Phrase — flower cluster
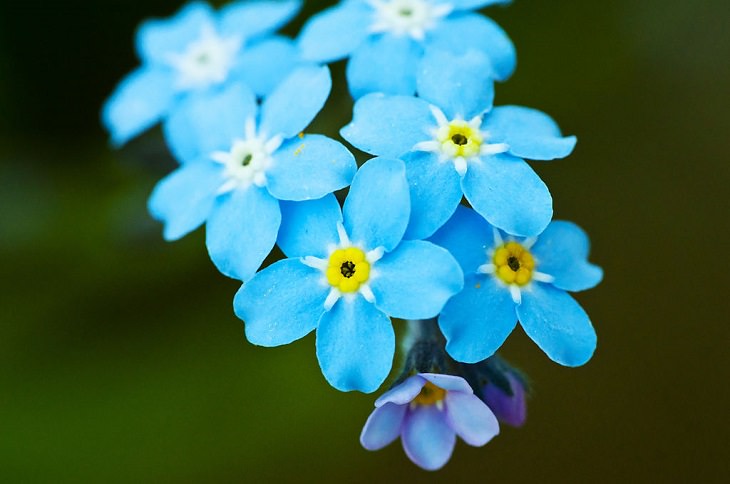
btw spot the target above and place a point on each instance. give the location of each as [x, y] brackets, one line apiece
[234, 99]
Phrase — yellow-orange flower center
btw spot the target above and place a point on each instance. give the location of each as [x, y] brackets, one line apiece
[430, 395]
[348, 269]
[460, 139]
[514, 264]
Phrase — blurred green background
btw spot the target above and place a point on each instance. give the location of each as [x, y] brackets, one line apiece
[121, 359]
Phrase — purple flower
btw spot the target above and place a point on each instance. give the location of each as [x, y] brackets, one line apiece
[509, 409]
[428, 411]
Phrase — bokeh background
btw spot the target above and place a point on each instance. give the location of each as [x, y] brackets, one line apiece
[121, 359]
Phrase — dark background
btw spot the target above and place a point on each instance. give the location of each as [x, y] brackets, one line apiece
[121, 359]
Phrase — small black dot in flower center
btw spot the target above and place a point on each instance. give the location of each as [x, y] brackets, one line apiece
[513, 263]
[459, 139]
[247, 159]
[347, 269]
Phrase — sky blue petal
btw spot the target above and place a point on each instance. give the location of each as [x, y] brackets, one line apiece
[388, 125]
[265, 64]
[509, 194]
[384, 63]
[476, 4]
[282, 303]
[402, 393]
[435, 191]
[557, 323]
[335, 33]
[309, 228]
[383, 426]
[427, 438]
[241, 231]
[377, 208]
[415, 280]
[208, 122]
[184, 199]
[355, 345]
[310, 167]
[470, 418]
[449, 383]
[296, 101]
[562, 252]
[461, 85]
[138, 103]
[253, 18]
[529, 133]
[158, 38]
[468, 237]
[462, 32]
[478, 320]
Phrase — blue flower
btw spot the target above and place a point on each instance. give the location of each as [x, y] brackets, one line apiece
[385, 39]
[196, 50]
[510, 278]
[428, 411]
[346, 278]
[454, 143]
[235, 170]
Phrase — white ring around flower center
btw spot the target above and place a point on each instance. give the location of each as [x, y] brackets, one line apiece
[407, 17]
[206, 60]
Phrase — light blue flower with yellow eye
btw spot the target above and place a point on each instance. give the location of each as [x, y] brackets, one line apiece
[385, 39]
[347, 274]
[454, 143]
[509, 279]
[196, 50]
[239, 161]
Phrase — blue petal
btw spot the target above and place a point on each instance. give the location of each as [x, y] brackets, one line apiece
[529, 133]
[460, 85]
[282, 303]
[449, 383]
[310, 167]
[242, 230]
[184, 199]
[435, 191]
[256, 18]
[335, 33]
[209, 122]
[355, 345]
[463, 32]
[158, 38]
[478, 320]
[296, 101]
[476, 4]
[383, 426]
[377, 208]
[468, 237]
[509, 194]
[470, 418]
[388, 125]
[138, 102]
[309, 228]
[264, 65]
[557, 323]
[403, 392]
[415, 280]
[562, 252]
[386, 64]
[427, 438]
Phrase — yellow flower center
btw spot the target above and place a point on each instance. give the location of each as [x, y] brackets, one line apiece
[459, 138]
[348, 269]
[514, 264]
[430, 395]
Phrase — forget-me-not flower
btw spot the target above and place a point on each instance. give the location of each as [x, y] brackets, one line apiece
[427, 411]
[196, 50]
[347, 273]
[510, 409]
[454, 143]
[385, 39]
[238, 161]
[509, 278]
